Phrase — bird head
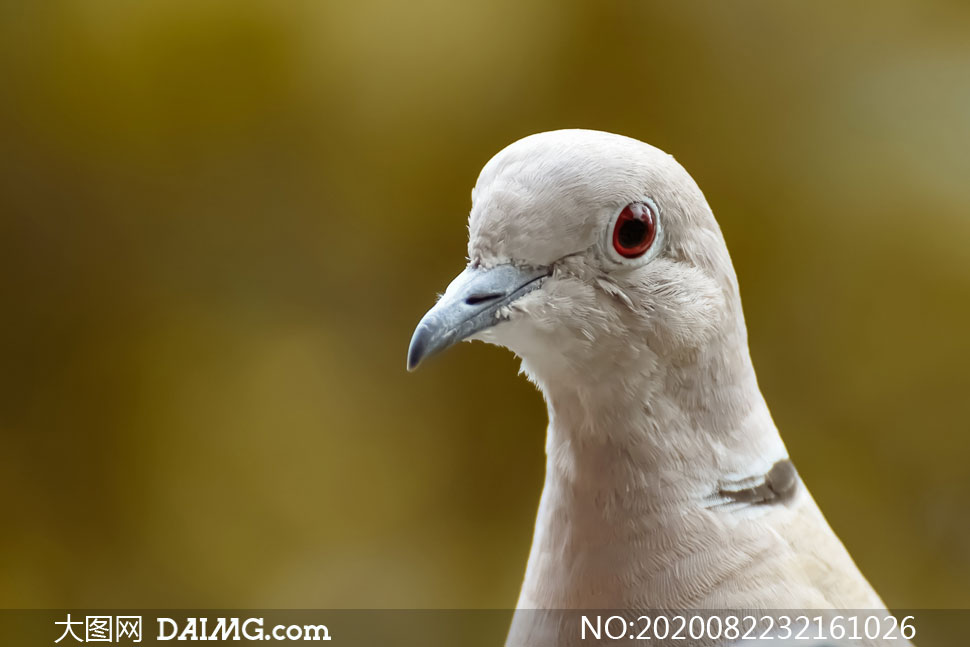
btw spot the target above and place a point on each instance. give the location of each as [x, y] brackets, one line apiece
[588, 252]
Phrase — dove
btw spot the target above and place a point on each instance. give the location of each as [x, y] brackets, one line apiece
[596, 259]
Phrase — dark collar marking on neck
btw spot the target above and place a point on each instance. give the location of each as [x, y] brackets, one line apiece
[779, 485]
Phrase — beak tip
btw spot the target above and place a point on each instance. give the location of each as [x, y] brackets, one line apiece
[416, 350]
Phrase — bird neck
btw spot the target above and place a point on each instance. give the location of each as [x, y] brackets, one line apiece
[692, 419]
[628, 461]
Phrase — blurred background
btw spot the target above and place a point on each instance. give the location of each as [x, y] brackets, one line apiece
[220, 221]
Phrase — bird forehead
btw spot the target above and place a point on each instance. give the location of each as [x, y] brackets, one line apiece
[532, 224]
[545, 195]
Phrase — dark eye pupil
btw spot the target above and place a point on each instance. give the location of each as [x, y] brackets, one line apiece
[634, 230]
[632, 233]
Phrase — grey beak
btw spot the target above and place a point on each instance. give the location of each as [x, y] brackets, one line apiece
[470, 304]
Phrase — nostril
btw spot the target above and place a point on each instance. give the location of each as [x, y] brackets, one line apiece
[478, 299]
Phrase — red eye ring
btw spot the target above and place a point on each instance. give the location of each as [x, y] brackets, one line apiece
[635, 230]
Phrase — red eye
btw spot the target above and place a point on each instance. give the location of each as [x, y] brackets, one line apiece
[635, 230]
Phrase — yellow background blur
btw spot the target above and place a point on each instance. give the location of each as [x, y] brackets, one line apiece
[220, 221]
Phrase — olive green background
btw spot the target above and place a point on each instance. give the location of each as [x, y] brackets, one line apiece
[220, 221]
